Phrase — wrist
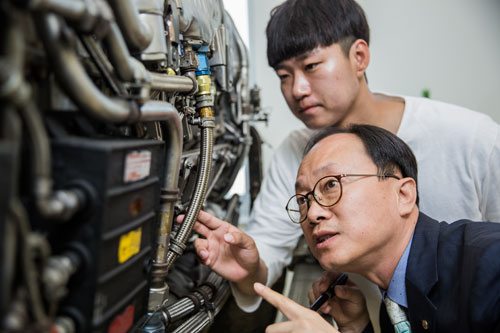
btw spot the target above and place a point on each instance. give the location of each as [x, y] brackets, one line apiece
[258, 275]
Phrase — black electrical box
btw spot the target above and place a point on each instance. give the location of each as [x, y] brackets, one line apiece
[113, 235]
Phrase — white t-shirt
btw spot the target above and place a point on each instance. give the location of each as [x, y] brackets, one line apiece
[458, 155]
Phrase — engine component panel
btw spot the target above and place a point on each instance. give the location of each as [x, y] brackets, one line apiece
[115, 117]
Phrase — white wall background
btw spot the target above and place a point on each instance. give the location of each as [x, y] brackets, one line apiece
[238, 9]
[451, 47]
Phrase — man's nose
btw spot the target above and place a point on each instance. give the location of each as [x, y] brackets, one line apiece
[317, 213]
[301, 86]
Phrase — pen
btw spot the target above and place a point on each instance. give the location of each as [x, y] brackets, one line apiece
[342, 279]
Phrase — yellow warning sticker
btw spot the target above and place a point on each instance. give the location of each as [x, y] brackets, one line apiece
[130, 244]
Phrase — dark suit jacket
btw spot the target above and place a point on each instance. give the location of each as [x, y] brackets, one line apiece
[453, 277]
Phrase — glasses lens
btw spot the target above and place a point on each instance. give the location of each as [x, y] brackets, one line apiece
[327, 191]
[297, 208]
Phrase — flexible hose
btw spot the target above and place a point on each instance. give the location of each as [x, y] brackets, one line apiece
[205, 167]
[202, 319]
[185, 306]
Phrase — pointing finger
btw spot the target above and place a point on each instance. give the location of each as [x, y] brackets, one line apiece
[289, 308]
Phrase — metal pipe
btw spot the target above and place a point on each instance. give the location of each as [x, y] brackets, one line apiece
[155, 110]
[137, 34]
[103, 65]
[168, 195]
[11, 136]
[61, 204]
[171, 83]
[164, 111]
[127, 67]
[73, 10]
[88, 15]
[192, 75]
[131, 70]
[58, 204]
[29, 271]
[175, 247]
[13, 88]
[216, 177]
[231, 207]
[74, 79]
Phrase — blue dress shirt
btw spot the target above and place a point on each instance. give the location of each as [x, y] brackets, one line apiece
[397, 288]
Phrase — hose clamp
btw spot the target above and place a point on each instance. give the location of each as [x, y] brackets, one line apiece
[177, 247]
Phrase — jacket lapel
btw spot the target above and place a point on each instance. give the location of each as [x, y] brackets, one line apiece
[422, 274]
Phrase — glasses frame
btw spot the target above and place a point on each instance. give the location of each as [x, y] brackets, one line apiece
[338, 177]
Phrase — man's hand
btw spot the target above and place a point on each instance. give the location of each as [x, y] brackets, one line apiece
[229, 252]
[347, 307]
[301, 319]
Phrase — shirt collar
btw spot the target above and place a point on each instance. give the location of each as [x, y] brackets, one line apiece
[397, 288]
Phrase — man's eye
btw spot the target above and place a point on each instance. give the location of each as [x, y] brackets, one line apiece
[309, 67]
[282, 75]
[331, 184]
[301, 201]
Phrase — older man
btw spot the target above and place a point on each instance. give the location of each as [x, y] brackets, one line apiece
[320, 51]
[357, 204]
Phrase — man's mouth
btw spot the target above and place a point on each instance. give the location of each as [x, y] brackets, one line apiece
[307, 108]
[322, 240]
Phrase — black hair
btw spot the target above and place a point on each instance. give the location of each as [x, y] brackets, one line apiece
[299, 26]
[387, 151]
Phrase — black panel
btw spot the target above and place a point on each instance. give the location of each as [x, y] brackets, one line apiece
[113, 234]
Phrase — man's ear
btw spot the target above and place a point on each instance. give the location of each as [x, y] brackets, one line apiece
[359, 55]
[407, 196]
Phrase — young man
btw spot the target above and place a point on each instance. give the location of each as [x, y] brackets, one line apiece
[320, 52]
[356, 202]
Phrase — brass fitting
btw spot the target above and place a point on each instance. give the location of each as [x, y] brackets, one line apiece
[170, 71]
[206, 112]
[204, 84]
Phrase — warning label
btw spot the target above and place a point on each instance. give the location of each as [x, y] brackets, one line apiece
[137, 165]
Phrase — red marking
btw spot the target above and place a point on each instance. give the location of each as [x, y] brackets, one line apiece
[123, 322]
[134, 175]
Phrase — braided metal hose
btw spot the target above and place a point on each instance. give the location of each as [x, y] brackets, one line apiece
[205, 167]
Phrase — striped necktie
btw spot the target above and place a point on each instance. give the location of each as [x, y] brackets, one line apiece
[397, 316]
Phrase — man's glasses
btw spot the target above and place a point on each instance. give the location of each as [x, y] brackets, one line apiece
[327, 192]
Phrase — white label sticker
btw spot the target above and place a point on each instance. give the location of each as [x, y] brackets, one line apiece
[137, 165]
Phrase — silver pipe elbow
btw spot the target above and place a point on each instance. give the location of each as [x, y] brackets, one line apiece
[137, 34]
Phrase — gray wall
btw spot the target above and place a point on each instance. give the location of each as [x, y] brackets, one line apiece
[451, 47]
